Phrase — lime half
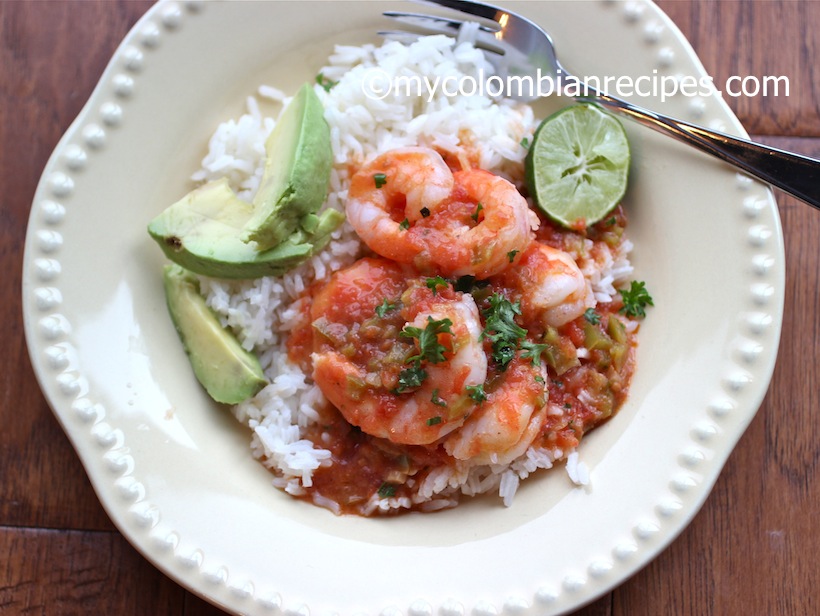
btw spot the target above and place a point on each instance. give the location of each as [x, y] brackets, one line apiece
[578, 164]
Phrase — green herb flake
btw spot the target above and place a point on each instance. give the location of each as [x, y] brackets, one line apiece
[539, 379]
[525, 143]
[611, 222]
[385, 307]
[502, 330]
[434, 283]
[511, 255]
[533, 351]
[478, 209]
[592, 317]
[379, 179]
[430, 349]
[635, 299]
[410, 379]
[567, 405]
[435, 399]
[404, 225]
[325, 82]
[476, 392]
[387, 490]
[434, 421]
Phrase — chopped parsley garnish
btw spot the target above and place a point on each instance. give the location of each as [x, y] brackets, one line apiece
[404, 225]
[386, 490]
[611, 222]
[435, 399]
[425, 212]
[379, 179]
[325, 82]
[567, 405]
[476, 392]
[411, 378]
[434, 283]
[511, 255]
[539, 379]
[502, 330]
[592, 317]
[478, 209]
[533, 351]
[434, 421]
[384, 308]
[525, 143]
[635, 300]
[430, 349]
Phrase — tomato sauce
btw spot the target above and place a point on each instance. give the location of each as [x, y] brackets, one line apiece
[364, 465]
[581, 393]
[589, 365]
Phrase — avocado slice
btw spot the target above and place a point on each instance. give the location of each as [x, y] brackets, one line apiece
[297, 171]
[229, 373]
[201, 233]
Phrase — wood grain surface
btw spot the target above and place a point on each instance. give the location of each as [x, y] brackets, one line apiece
[752, 549]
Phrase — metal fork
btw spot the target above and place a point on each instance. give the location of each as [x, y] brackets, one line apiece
[516, 46]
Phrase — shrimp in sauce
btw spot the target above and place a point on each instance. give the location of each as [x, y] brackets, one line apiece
[483, 228]
[506, 423]
[410, 363]
[550, 286]
[395, 357]
[390, 194]
[408, 206]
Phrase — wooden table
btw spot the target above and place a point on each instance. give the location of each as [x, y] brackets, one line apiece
[753, 548]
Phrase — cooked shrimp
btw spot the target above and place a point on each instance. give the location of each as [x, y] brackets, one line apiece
[506, 423]
[551, 287]
[408, 206]
[483, 228]
[397, 358]
[388, 195]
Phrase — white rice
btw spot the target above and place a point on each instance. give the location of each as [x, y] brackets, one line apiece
[577, 470]
[262, 312]
[362, 126]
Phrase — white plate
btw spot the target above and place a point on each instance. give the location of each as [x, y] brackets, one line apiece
[175, 472]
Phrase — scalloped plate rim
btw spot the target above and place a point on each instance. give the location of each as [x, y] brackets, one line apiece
[233, 599]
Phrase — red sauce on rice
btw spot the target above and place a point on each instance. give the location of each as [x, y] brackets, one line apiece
[582, 393]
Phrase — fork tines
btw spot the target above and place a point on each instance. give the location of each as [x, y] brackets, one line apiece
[468, 7]
[420, 24]
[433, 23]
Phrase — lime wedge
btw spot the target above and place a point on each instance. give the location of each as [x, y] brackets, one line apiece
[578, 164]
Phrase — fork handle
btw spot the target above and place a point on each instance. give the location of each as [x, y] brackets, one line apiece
[795, 174]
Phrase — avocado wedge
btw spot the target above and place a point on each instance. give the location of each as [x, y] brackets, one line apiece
[201, 232]
[229, 373]
[297, 172]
